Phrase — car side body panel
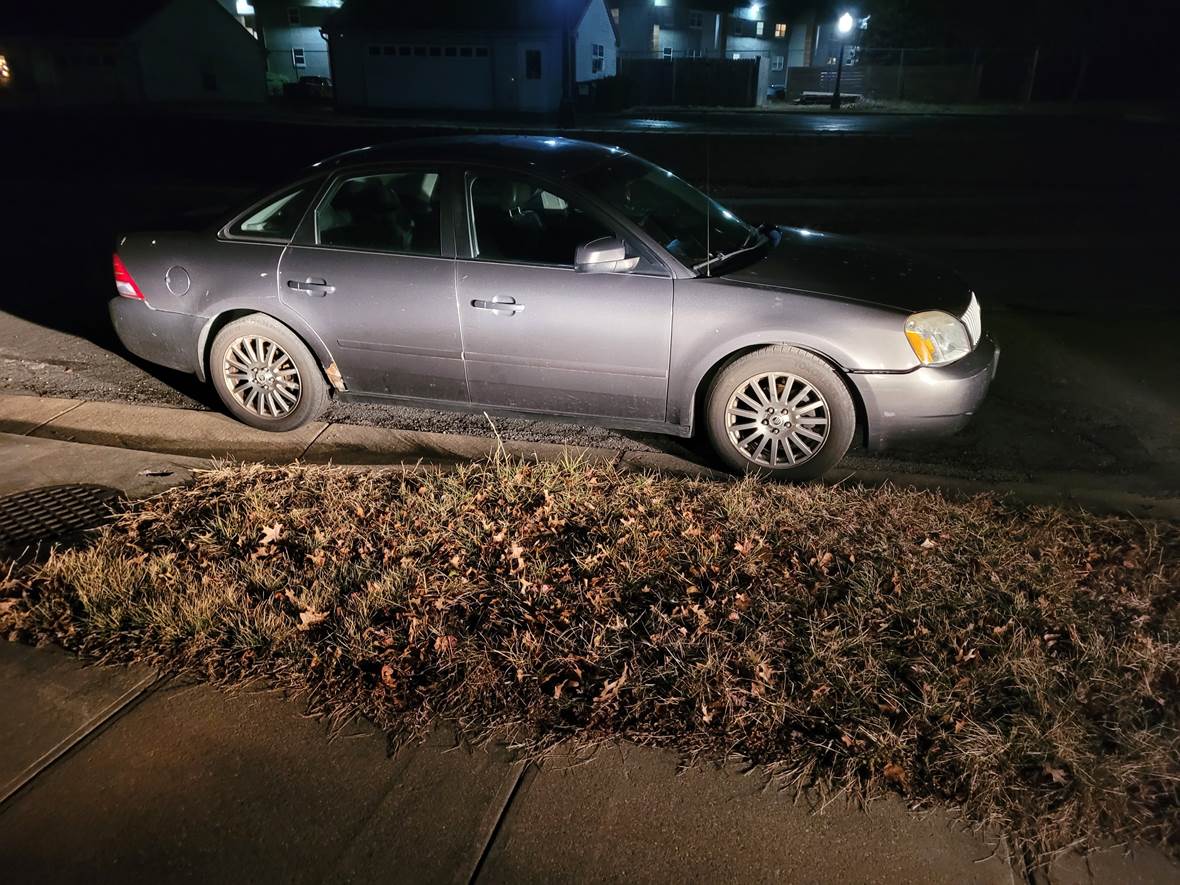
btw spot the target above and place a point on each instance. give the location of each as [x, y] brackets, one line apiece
[223, 276]
[716, 318]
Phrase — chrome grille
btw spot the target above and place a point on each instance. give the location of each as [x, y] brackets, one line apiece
[973, 321]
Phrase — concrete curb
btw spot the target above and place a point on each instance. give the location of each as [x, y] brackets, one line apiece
[193, 434]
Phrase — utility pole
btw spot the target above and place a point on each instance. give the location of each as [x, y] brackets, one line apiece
[1032, 75]
[843, 28]
[569, 63]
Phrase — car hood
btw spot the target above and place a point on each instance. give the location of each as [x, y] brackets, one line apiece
[847, 268]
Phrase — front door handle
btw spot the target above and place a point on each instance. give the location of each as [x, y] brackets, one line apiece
[312, 286]
[501, 305]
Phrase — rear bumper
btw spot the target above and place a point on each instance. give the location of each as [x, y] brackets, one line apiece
[157, 336]
[927, 402]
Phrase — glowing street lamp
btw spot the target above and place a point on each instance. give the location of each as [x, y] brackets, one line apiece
[844, 28]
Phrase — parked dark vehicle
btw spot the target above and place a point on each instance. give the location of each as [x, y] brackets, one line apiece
[309, 87]
[544, 276]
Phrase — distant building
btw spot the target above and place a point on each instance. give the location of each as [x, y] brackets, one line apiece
[780, 35]
[504, 55]
[132, 51]
[291, 33]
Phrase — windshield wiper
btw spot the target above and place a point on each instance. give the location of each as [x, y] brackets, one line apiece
[725, 256]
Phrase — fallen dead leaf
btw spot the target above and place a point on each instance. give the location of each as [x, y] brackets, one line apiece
[311, 617]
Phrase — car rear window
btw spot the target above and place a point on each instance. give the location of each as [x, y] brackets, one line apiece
[384, 212]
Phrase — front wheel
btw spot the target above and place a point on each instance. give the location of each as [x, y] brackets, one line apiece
[780, 412]
[265, 374]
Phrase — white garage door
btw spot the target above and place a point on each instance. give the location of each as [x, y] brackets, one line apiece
[419, 75]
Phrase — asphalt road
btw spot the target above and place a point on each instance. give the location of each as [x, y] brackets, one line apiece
[809, 122]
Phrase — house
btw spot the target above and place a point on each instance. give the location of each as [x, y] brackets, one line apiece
[503, 55]
[291, 33]
[777, 34]
[133, 51]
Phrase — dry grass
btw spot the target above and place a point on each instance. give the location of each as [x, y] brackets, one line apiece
[1021, 664]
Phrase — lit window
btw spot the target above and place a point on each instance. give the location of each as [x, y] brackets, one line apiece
[759, 27]
[5, 71]
[597, 58]
[695, 18]
[293, 17]
[780, 30]
[298, 58]
[777, 63]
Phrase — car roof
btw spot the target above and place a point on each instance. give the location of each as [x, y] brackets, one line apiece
[552, 155]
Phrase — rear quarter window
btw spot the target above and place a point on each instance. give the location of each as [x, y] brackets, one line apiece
[276, 218]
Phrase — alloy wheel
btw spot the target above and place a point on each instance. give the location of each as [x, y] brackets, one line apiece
[777, 420]
[261, 376]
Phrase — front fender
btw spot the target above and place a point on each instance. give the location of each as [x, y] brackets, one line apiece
[715, 319]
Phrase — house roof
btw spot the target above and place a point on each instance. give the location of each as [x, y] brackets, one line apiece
[80, 20]
[460, 15]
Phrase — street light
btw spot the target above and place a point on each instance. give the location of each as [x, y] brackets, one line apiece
[843, 27]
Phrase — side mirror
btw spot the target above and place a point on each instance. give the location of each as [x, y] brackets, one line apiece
[604, 255]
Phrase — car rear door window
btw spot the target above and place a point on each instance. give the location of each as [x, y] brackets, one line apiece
[383, 212]
[278, 218]
[515, 220]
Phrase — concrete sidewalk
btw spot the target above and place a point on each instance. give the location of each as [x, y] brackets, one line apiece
[116, 774]
[192, 437]
[183, 783]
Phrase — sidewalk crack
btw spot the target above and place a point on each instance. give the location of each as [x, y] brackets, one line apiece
[524, 770]
[314, 440]
[80, 736]
[48, 421]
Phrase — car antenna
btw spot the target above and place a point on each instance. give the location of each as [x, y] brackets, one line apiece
[708, 204]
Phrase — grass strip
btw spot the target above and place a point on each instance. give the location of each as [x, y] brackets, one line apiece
[1020, 664]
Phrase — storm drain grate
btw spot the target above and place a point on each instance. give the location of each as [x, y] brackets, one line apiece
[53, 512]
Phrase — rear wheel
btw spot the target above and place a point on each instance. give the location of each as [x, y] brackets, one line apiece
[265, 374]
[780, 412]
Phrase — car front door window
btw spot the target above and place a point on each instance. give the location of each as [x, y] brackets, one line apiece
[516, 221]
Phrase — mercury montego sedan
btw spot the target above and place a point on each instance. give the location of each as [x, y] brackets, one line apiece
[549, 277]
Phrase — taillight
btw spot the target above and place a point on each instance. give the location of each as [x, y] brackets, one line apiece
[123, 281]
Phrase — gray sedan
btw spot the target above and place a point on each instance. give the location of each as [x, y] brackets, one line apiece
[544, 276]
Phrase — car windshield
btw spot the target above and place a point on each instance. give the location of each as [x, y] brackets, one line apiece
[697, 230]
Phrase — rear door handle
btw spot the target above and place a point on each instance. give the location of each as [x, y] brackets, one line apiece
[312, 286]
[500, 304]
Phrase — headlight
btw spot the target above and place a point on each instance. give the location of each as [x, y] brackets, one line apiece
[937, 338]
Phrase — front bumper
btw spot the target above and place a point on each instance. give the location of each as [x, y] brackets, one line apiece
[157, 336]
[926, 402]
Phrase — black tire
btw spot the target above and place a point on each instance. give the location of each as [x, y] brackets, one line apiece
[311, 396]
[738, 436]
